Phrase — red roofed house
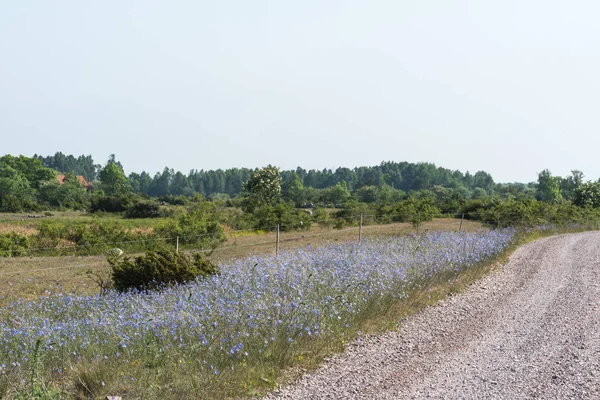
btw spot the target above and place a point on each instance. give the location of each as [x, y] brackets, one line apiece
[84, 183]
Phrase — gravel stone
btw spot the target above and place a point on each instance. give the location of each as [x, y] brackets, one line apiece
[530, 330]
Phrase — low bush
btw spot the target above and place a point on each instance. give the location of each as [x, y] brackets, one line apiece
[13, 245]
[198, 227]
[157, 268]
[85, 237]
[111, 203]
[286, 216]
[143, 209]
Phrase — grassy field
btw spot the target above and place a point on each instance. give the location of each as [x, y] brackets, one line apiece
[23, 224]
[29, 278]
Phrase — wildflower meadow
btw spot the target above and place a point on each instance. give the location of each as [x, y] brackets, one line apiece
[231, 334]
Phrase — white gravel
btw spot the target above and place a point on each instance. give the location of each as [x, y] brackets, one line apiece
[529, 330]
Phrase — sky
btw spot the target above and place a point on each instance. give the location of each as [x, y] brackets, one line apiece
[508, 87]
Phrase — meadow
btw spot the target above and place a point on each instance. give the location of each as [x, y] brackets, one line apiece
[237, 334]
[28, 278]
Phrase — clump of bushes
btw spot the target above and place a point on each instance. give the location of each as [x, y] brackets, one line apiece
[83, 237]
[13, 245]
[285, 215]
[198, 227]
[143, 209]
[157, 268]
[114, 204]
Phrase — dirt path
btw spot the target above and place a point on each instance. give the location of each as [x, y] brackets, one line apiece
[530, 330]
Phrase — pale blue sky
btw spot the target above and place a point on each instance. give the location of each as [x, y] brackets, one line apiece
[509, 87]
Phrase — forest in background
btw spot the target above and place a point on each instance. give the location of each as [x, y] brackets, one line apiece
[404, 176]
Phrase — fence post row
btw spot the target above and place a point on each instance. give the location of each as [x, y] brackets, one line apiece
[500, 219]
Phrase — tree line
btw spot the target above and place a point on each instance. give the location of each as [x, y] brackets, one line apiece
[30, 184]
[404, 176]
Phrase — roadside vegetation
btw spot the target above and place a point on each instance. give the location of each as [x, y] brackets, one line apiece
[231, 334]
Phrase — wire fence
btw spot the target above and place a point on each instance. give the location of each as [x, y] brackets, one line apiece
[273, 237]
[327, 227]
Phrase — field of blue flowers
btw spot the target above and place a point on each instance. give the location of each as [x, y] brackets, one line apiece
[230, 333]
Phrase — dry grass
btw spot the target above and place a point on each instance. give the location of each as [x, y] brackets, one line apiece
[239, 246]
[29, 278]
[25, 230]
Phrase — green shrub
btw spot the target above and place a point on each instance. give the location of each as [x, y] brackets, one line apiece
[91, 237]
[13, 245]
[115, 204]
[198, 227]
[143, 209]
[350, 214]
[157, 268]
[286, 216]
[322, 217]
[97, 235]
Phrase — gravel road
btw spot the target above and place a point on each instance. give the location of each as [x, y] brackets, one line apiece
[529, 330]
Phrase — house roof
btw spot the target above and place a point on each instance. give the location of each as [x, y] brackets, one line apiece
[84, 183]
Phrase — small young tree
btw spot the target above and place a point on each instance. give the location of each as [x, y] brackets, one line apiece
[548, 189]
[587, 195]
[294, 190]
[113, 179]
[264, 185]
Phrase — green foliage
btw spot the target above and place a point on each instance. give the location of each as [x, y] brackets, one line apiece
[175, 200]
[264, 185]
[69, 195]
[415, 210]
[13, 245]
[529, 212]
[285, 215]
[337, 194]
[100, 234]
[16, 193]
[88, 237]
[587, 195]
[143, 209]
[81, 165]
[548, 187]
[115, 203]
[449, 201]
[322, 217]
[139, 183]
[294, 190]
[198, 227]
[569, 184]
[31, 169]
[157, 268]
[113, 180]
[38, 387]
[350, 214]
[367, 194]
